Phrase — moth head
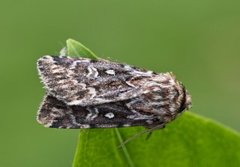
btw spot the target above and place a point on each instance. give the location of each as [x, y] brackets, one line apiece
[184, 98]
[186, 102]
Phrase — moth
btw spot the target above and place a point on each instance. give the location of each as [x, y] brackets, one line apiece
[85, 93]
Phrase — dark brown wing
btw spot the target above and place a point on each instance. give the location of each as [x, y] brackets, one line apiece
[56, 114]
[81, 81]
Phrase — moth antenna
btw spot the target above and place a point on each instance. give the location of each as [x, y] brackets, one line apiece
[141, 133]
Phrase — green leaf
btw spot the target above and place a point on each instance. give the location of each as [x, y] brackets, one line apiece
[189, 141]
[75, 48]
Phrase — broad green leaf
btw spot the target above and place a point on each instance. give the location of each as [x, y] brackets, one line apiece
[189, 141]
[75, 48]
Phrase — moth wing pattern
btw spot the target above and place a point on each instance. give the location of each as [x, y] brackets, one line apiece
[84, 93]
[81, 81]
[54, 113]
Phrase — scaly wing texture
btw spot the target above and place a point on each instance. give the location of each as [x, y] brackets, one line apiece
[84, 93]
[81, 81]
[56, 114]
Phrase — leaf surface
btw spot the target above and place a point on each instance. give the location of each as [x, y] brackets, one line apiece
[189, 141]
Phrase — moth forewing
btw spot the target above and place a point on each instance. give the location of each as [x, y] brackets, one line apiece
[81, 81]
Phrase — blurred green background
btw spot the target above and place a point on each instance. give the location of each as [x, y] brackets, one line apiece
[197, 40]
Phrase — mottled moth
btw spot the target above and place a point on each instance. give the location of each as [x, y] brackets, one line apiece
[85, 93]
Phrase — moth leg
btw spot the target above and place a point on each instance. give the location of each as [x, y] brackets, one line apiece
[151, 131]
[148, 130]
[148, 135]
